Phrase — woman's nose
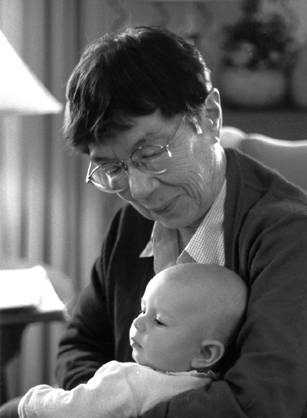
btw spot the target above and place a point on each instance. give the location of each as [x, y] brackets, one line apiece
[139, 323]
[141, 184]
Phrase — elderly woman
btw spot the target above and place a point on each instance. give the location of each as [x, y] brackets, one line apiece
[142, 106]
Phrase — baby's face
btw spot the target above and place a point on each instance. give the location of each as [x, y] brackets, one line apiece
[167, 334]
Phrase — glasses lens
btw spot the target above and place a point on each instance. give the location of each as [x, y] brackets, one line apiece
[153, 158]
[110, 178]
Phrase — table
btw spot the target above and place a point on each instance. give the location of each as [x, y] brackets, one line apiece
[13, 322]
[12, 325]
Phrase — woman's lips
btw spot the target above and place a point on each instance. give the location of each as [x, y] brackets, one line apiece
[162, 209]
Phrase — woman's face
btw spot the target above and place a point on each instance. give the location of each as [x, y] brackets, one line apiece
[181, 196]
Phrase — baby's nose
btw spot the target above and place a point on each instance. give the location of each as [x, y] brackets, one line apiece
[139, 323]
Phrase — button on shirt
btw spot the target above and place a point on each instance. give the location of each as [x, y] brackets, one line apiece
[205, 246]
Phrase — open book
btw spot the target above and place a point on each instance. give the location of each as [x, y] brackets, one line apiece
[28, 288]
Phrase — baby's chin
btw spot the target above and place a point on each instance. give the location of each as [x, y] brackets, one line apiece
[145, 363]
[139, 358]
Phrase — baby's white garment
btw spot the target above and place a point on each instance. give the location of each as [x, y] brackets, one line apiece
[117, 390]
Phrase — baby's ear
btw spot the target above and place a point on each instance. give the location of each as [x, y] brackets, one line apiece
[211, 351]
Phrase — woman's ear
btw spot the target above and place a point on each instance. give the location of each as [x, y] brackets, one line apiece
[214, 111]
[211, 351]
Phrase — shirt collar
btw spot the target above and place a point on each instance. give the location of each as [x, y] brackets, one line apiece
[207, 244]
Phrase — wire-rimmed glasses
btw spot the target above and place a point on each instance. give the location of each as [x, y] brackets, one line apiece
[112, 176]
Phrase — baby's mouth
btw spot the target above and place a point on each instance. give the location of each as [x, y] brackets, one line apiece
[135, 343]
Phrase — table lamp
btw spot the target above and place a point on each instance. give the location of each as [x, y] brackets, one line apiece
[20, 90]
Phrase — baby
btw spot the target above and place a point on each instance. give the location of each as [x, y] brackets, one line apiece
[189, 313]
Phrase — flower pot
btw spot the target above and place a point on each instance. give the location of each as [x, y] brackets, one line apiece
[298, 82]
[252, 88]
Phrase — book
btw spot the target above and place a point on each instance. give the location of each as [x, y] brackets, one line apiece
[28, 288]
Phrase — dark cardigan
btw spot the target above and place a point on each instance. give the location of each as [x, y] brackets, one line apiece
[265, 229]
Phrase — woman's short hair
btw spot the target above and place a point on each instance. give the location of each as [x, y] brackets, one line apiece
[128, 74]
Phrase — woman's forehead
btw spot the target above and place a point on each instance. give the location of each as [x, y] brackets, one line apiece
[143, 129]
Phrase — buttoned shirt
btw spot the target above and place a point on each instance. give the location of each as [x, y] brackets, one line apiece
[205, 246]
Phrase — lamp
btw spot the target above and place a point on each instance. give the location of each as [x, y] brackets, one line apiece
[20, 90]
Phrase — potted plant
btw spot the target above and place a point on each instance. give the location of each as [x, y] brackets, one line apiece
[258, 51]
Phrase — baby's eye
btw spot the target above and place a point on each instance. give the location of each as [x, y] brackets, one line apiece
[158, 321]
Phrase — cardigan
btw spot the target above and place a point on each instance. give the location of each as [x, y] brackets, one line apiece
[265, 232]
[117, 390]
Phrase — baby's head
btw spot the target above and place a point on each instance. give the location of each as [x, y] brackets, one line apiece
[189, 312]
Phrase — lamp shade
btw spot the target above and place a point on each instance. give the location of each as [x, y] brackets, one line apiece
[20, 90]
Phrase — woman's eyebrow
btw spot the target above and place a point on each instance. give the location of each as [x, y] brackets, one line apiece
[99, 160]
[96, 158]
[156, 132]
[149, 136]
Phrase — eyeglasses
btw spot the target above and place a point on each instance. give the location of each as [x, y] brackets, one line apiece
[112, 176]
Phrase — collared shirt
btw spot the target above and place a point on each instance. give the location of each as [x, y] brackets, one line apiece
[205, 246]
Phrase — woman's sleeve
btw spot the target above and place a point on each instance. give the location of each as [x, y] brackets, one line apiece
[84, 347]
